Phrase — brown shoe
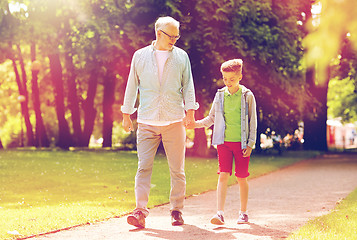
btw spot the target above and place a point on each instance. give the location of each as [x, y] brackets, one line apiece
[137, 219]
[176, 218]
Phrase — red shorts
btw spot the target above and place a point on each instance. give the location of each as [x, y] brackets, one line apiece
[226, 151]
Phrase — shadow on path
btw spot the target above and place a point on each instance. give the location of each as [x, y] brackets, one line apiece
[221, 232]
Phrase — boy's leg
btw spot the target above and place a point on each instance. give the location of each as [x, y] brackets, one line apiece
[241, 172]
[243, 192]
[225, 163]
[222, 190]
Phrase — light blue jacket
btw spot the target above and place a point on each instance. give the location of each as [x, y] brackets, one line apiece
[160, 102]
[248, 119]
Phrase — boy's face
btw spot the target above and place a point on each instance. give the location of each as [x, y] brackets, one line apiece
[231, 80]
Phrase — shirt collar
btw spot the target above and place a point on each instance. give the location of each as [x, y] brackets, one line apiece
[227, 93]
[154, 49]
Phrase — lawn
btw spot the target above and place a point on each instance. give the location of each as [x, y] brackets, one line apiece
[42, 191]
[341, 223]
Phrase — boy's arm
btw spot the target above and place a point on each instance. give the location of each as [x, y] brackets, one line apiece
[209, 120]
[252, 116]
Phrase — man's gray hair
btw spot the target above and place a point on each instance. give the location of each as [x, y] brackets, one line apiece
[161, 22]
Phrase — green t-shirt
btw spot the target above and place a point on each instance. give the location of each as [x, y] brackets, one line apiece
[232, 116]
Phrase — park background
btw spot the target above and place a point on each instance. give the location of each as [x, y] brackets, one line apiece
[64, 66]
[63, 71]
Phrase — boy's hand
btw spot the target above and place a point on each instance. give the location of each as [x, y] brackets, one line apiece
[247, 151]
[191, 126]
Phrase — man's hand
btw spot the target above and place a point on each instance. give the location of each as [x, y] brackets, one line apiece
[127, 123]
[247, 151]
[189, 119]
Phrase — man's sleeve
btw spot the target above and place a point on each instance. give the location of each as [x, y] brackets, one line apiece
[188, 89]
[131, 90]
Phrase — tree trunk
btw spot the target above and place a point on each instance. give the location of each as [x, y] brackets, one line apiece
[73, 101]
[41, 139]
[1, 146]
[261, 127]
[108, 101]
[89, 110]
[315, 122]
[23, 71]
[24, 106]
[64, 135]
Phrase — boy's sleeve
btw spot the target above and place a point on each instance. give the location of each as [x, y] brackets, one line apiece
[209, 120]
[252, 116]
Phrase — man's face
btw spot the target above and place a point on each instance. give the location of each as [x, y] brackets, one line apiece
[167, 37]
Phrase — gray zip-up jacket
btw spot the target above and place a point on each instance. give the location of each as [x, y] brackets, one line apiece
[248, 119]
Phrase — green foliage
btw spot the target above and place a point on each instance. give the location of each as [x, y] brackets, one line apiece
[332, 45]
[87, 35]
[337, 21]
[268, 41]
[342, 100]
[266, 38]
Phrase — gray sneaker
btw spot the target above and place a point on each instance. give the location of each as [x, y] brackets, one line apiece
[243, 218]
[217, 219]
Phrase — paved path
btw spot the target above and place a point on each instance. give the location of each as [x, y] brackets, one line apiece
[279, 203]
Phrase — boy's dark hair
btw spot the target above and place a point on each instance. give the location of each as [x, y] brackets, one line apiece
[234, 65]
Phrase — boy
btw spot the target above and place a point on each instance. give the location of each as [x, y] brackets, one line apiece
[233, 114]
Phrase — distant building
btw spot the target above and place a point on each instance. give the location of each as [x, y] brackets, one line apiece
[341, 136]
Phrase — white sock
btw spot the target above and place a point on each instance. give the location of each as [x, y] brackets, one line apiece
[241, 212]
[220, 213]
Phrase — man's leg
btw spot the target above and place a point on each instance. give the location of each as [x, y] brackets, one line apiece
[148, 140]
[173, 139]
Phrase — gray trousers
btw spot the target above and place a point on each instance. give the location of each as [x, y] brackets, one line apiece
[173, 138]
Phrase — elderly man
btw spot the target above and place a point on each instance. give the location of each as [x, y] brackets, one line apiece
[162, 74]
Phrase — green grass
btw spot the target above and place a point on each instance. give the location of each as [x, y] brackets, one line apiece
[341, 223]
[42, 191]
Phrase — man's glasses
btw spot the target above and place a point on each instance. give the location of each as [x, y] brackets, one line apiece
[171, 37]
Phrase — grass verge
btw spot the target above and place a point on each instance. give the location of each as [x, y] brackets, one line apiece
[341, 223]
[42, 191]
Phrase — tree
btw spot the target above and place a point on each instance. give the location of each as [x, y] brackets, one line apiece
[41, 139]
[342, 94]
[91, 57]
[335, 23]
[268, 41]
[10, 28]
